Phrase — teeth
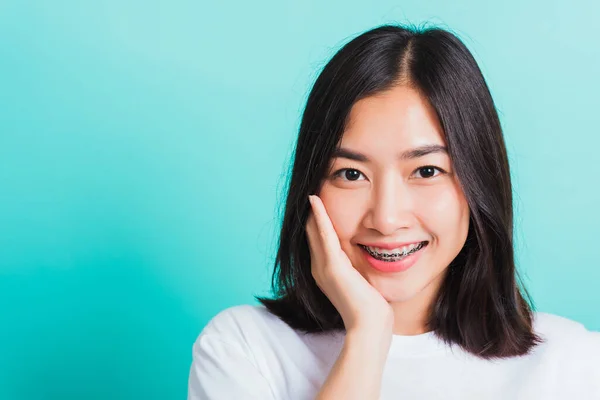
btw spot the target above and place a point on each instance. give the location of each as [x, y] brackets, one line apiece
[390, 256]
[399, 250]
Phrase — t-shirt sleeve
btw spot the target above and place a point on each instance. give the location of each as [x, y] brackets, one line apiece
[223, 370]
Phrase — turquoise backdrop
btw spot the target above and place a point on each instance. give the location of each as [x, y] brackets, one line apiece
[143, 148]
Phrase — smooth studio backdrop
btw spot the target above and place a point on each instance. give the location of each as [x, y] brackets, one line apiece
[144, 147]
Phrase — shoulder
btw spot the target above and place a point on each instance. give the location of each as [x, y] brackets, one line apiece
[555, 325]
[240, 319]
[558, 328]
[246, 351]
[566, 334]
[571, 347]
[264, 337]
[224, 357]
[246, 327]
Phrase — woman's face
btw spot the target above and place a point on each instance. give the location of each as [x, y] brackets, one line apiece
[387, 198]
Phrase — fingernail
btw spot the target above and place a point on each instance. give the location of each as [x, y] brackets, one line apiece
[310, 198]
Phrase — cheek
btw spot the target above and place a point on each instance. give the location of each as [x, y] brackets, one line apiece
[343, 211]
[446, 210]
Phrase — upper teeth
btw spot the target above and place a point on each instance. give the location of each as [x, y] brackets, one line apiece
[404, 249]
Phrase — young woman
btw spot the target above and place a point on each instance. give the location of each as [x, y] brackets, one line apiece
[395, 275]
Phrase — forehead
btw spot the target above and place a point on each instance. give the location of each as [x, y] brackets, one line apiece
[393, 120]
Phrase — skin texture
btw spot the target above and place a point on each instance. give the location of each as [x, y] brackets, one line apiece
[388, 199]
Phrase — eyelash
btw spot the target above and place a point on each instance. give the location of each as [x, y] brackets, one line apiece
[339, 172]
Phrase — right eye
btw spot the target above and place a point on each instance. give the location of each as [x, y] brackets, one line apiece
[349, 174]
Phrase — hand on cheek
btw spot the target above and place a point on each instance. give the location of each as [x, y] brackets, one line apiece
[360, 305]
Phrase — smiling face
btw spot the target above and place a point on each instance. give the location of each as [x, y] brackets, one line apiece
[380, 191]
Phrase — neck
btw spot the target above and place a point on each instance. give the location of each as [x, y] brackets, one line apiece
[408, 320]
[411, 316]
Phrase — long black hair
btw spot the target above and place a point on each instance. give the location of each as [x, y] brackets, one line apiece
[480, 305]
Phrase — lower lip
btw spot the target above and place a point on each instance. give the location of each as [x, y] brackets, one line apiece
[396, 266]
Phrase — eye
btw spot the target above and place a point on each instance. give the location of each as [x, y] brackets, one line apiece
[429, 171]
[349, 174]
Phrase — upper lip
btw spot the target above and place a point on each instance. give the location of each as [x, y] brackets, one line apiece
[393, 245]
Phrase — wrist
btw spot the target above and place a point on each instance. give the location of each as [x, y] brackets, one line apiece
[364, 331]
[369, 341]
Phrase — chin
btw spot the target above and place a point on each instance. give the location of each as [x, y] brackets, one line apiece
[405, 288]
[398, 297]
[395, 292]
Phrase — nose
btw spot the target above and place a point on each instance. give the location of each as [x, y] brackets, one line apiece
[391, 207]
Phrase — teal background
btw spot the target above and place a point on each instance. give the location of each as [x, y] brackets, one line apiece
[143, 148]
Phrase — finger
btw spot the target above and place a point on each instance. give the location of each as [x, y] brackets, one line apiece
[315, 244]
[311, 230]
[324, 227]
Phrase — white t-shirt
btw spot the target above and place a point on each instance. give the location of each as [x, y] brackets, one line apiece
[245, 352]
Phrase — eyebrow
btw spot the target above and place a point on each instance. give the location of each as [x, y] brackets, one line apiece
[410, 154]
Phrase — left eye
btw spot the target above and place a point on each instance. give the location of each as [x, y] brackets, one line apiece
[429, 171]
